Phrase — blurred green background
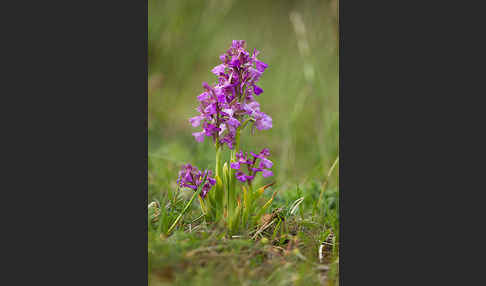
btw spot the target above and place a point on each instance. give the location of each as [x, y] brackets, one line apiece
[297, 39]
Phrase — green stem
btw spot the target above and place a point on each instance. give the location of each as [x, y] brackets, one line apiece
[218, 159]
[250, 197]
[237, 139]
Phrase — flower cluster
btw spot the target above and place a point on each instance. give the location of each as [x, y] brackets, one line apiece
[191, 177]
[230, 102]
[251, 163]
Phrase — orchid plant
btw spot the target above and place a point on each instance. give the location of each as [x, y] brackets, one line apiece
[225, 109]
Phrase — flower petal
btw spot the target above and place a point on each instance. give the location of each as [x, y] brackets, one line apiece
[241, 176]
[203, 96]
[258, 90]
[265, 163]
[219, 69]
[233, 122]
[195, 121]
[267, 173]
[199, 136]
[263, 121]
[261, 66]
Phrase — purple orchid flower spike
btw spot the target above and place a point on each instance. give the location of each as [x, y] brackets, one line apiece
[225, 105]
[191, 177]
[250, 161]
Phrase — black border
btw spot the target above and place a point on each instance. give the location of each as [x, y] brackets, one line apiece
[81, 195]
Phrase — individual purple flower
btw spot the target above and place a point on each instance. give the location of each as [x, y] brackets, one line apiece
[219, 69]
[199, 136]
[257, 90]
[264, 153]
[251, 162]
[237, 44]
[203, 96]
[191, 177]
[265, 163]
[267, 173]
[263, 121]
[210, 129]
[243, 177]
[196, 120]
